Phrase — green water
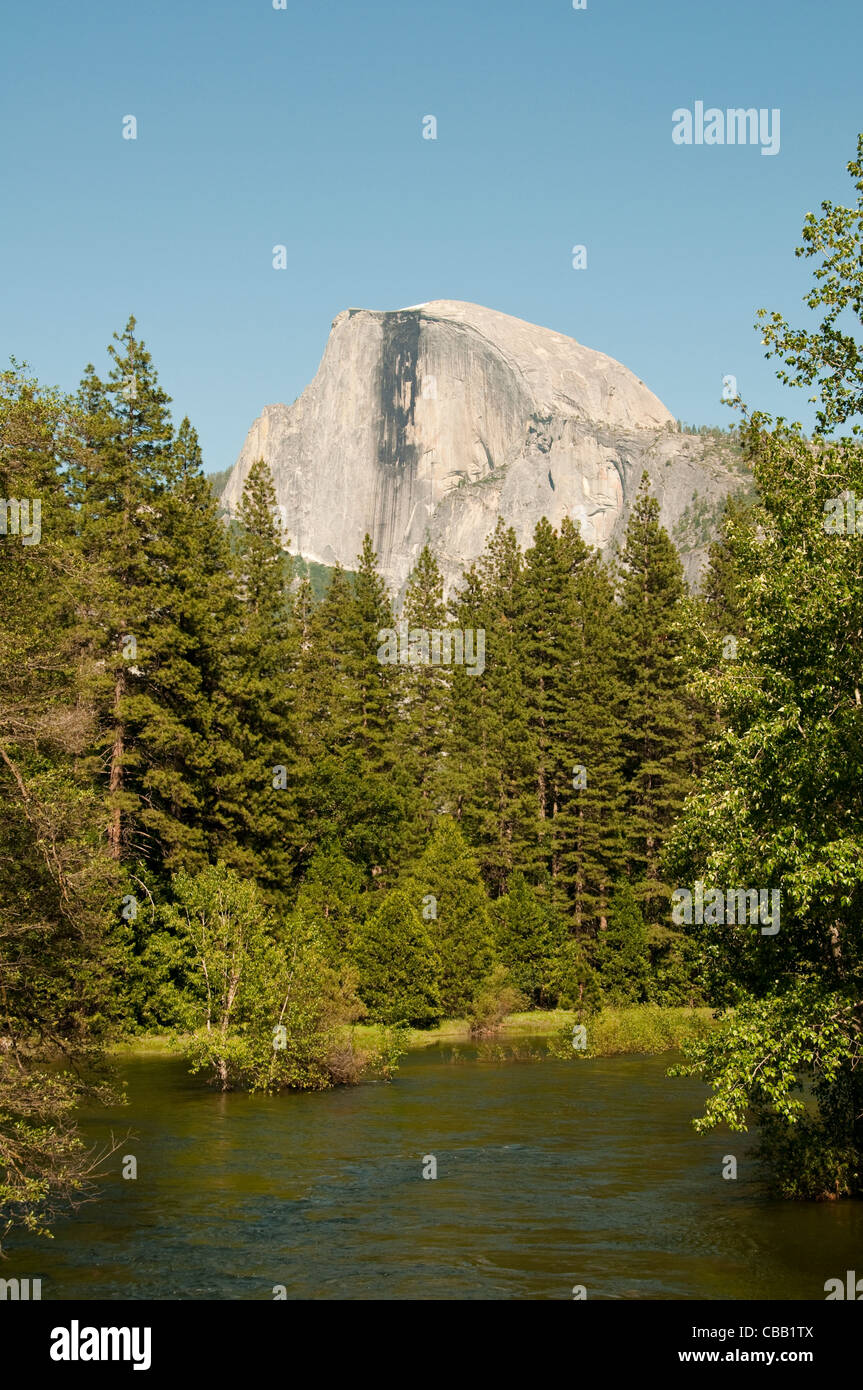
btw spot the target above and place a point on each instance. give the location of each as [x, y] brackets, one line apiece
[549, 1175]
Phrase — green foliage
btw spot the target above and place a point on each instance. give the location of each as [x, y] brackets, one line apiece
[495, 998]
[397, 964]
[61, 949]
[461, 929]
[621, 951]
[489, 785]
[636, 1028]
[331, 895]
[779, 805]
[660, 735]
[257, 979]
[263, 786]
[219, 807]
[829, 358]
[530, 941]
[591, 824]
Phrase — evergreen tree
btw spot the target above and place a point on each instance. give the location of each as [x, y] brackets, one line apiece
[720, 587]
[490, 775]
[425, 692]
[622, 952]
[447, 886]
[262, 664]
[546, 648]
[117, 480]
[357, 790]
[331, 896]
[591, 826]
[660, 732]
[531, 941]
[183, 718]
[397, 964]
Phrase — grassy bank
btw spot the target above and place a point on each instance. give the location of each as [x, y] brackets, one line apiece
[641, 1028]
[644, 1028]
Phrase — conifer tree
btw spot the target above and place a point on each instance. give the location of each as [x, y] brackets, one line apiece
[357, 792]
[373, 685]
[660, 731]
[326, 807]
[446, 885]
[117, 481]
[397, 965]
[331, 896]
[530, 940]
[184, 719]
[263, 662]
[546, 648]
[59, 888]
[720, 587]
[622, 952]
[425, 691]
[591, 823]
[490, 774]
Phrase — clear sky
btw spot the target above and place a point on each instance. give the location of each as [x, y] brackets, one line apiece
[303, 127]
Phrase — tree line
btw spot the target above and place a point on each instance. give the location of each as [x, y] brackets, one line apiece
[223, 814]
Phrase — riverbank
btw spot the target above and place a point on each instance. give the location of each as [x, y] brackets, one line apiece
[644, 1029]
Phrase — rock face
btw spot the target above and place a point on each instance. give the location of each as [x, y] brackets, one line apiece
[427, 423]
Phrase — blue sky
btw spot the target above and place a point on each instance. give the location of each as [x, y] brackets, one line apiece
[303, 127]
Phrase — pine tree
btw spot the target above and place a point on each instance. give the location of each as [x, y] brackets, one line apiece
[262, 667]
[490, 782]
[373, 686]
[591, 824]
[331, 896]
[184, 720]
[621, 952]
[720, 587]
[397, 965]
[425, 692]
[446, 885]
[117, 480]
[358, 791]
[660, 732]
[546, 648]
[531, 939]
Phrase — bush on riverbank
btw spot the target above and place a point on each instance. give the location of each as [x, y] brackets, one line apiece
[262, 1009]
[642, 1028]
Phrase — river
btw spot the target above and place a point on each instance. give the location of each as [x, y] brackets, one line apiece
[549, 1175]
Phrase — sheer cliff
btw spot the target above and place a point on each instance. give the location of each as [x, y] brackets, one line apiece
[426, 423]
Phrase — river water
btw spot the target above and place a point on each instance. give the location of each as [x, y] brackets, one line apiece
[549, 1175]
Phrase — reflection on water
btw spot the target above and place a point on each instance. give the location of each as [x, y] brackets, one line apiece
[578, 1172]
